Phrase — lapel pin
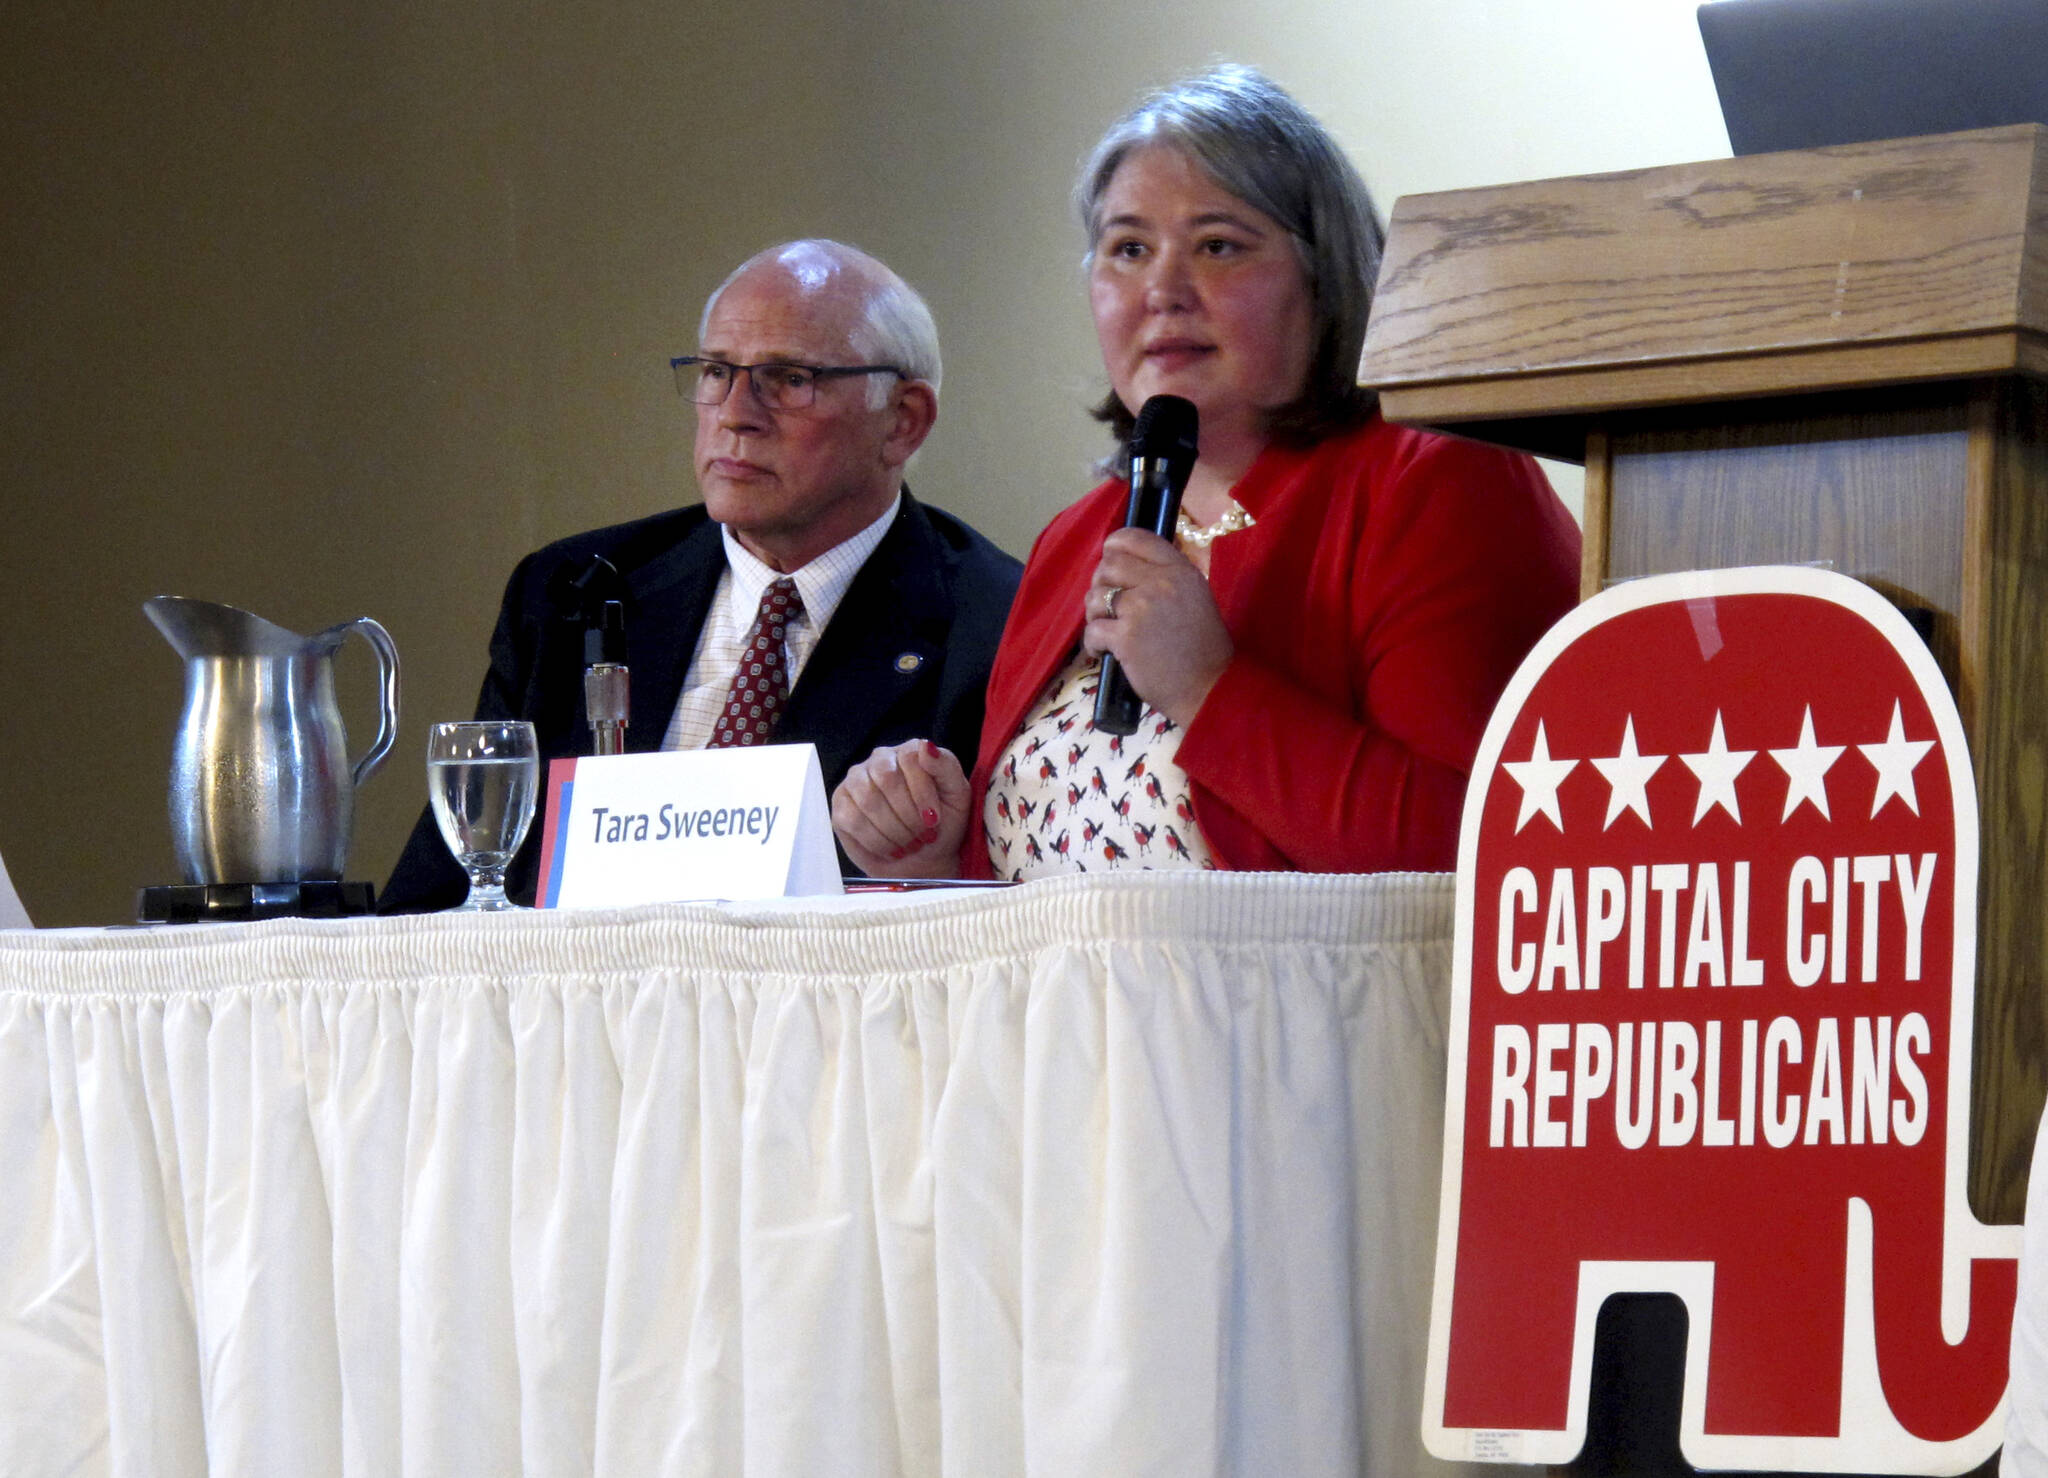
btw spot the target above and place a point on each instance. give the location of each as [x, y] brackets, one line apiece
[909, 662]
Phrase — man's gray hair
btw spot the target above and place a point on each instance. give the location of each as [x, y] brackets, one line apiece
[1256, 142]
[896, 325]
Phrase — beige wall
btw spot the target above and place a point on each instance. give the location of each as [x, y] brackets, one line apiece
[334, 310]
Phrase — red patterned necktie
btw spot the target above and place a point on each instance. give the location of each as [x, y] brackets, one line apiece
[754, 702]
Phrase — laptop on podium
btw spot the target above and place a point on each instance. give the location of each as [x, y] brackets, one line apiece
[1800, 74]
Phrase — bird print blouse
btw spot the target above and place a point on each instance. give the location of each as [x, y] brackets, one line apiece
[1066, 797]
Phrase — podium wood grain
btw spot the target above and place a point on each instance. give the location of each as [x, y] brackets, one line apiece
[2009, 739]
[1537, 306]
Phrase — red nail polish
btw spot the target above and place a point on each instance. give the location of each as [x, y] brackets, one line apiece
[931, 821]
[931, 749]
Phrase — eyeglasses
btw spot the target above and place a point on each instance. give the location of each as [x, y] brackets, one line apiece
[779, 387]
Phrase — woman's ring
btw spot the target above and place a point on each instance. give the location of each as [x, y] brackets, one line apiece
[1109, 601]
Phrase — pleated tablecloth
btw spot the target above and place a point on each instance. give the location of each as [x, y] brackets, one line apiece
[1129, 1176]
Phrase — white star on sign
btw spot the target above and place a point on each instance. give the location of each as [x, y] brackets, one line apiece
[1539, 776]
[1806, 769]
[1716, 771]
[1628, 776]
[1894, 761]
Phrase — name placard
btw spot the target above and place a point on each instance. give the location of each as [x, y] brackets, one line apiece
[688, 824]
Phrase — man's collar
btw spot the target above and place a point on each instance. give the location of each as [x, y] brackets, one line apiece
[821, 584]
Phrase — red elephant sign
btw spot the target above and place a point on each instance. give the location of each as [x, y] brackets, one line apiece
[1711, 1025]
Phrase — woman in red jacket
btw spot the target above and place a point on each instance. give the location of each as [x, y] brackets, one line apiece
[1319, 648]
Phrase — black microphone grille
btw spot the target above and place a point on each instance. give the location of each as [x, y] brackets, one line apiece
[1167, 426]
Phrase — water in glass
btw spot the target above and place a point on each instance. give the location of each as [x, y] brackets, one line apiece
[481, 778]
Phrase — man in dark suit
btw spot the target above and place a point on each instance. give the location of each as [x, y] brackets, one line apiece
[816, 379]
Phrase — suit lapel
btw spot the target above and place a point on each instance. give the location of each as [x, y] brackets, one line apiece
[671, 595]
[887, 635]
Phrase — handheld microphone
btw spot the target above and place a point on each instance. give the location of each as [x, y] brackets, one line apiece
[1163, 447]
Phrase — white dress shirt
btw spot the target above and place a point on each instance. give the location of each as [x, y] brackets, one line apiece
[821, 585]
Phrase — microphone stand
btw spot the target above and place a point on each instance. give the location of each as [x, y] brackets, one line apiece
[607, 683]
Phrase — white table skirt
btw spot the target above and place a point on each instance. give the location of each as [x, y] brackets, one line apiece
[1090, 1177]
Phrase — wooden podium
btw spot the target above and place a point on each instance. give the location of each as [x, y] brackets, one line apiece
[1834, 355]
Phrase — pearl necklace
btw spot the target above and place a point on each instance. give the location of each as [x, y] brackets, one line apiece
[1234, 518]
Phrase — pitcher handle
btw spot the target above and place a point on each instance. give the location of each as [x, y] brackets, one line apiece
[387, 694]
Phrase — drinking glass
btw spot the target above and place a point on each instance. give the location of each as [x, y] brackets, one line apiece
[481, 778]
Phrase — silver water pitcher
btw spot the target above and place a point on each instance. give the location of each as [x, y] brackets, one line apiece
[261, 787]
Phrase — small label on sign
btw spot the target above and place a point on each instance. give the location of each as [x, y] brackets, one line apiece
[1496, 1447]
[745, 822]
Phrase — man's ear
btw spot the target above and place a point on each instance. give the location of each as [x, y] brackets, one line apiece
[915, 410]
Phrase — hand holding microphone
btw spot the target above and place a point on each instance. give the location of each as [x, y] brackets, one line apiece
[1149, 609]
[1163, 447]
